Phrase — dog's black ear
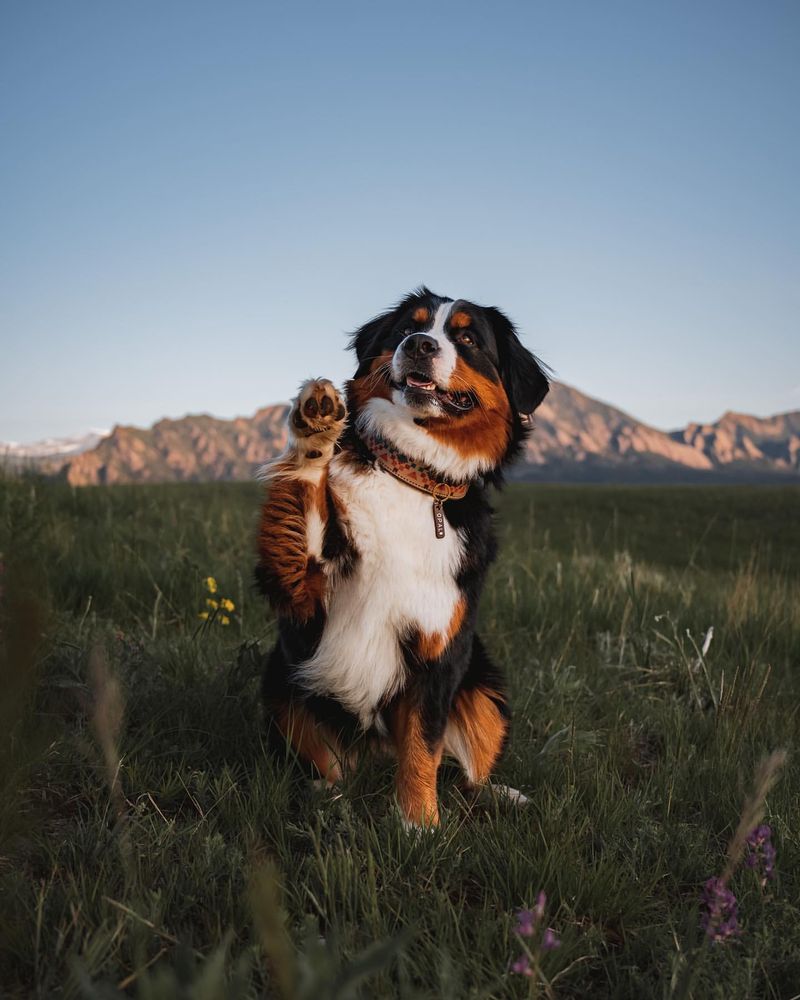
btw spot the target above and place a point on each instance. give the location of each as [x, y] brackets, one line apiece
[525, 377]
[366, 339]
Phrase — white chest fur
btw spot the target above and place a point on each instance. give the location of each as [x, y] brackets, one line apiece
[403, 581]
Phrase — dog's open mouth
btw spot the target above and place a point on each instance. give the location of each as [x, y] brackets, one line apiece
[422, 385]
[415, 381]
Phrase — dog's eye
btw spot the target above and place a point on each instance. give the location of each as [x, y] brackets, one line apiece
[465, 339]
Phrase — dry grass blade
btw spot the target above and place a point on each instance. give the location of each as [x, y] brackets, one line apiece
[107, 715]
[270, 922]
[753, 809]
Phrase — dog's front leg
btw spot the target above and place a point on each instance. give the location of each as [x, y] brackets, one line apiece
[295, 512]
[418, 745]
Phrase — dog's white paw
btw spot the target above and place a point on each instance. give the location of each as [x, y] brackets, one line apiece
[316, 421]
[317, 417]
[414, 830]
[325, 789]
[508, 794]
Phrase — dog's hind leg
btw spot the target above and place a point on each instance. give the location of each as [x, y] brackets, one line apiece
[476, 732]
[477, 727]
[314, 744]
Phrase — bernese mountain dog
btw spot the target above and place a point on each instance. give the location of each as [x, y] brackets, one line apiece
[374, 542]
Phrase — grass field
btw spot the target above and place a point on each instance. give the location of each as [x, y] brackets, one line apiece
[150, 848]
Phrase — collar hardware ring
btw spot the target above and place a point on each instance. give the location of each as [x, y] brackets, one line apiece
[442, 492]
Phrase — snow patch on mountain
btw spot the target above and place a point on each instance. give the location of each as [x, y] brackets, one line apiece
[53, 447]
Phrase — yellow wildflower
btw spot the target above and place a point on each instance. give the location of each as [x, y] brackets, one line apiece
[203, 615]
[227, 604]
[212, 603]
[224, 620]
[211, 584]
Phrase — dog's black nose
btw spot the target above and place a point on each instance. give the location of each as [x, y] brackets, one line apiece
[419, 345]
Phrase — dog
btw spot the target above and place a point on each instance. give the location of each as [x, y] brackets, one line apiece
[374, 542]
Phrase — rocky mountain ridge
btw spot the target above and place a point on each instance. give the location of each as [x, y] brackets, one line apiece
[191, 449]
[578, 437]
[575, 438]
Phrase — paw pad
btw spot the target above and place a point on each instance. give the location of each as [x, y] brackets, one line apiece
[318, 409]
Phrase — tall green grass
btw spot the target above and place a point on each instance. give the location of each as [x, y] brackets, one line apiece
[148, 844]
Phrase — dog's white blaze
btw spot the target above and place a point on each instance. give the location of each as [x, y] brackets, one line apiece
[403, 581]
[445, 361]
[393, 420]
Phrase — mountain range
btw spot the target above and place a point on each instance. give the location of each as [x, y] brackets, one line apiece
[578, 438]
[575, 438]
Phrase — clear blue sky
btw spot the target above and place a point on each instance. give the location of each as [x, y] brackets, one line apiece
[198, 200]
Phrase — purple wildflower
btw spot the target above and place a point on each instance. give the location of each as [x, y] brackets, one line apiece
[522, 966]
[529, 920]
[526, 923]
[761, 853]
[721, 919]
[549, 940]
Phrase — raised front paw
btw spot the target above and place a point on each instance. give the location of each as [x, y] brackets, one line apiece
[318, 408]
[318, 416]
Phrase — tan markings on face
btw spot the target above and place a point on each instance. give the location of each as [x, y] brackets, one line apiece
[421, 315]
[431, 645]
[482, 730]
[484, 431]
[374, 385]
[417, 765]
[460, 320]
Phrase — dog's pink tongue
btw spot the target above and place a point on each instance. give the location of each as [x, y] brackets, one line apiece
[418, 383]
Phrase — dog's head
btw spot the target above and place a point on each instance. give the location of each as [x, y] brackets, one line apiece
[448, 382]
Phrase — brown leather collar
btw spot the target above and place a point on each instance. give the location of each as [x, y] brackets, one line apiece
[413, 473]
